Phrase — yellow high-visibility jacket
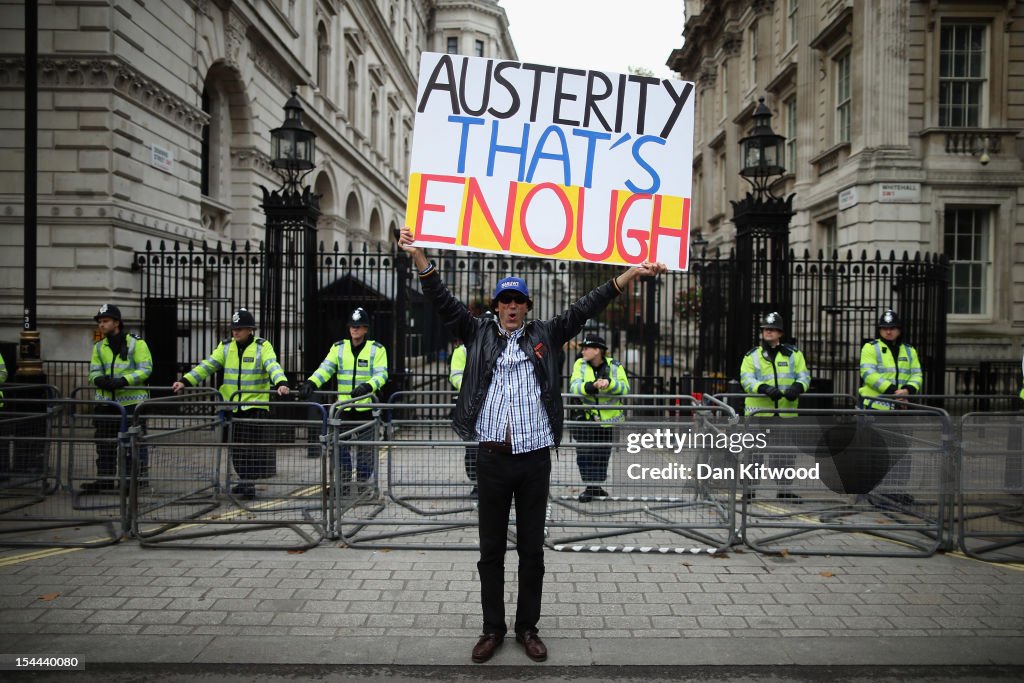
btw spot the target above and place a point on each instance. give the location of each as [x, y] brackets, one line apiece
[371, 367]
[247, 376]
[605, 406]
[136, 369]
[879, 372]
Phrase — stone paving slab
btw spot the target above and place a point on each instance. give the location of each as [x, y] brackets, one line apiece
[334, 605]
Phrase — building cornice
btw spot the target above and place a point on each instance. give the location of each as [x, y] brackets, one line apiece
[89, 73]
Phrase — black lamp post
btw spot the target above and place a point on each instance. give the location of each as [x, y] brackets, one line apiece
[289, 265]
[762, 281]
[30, 363]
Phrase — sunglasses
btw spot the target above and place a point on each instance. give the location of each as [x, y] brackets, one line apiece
[509, 298]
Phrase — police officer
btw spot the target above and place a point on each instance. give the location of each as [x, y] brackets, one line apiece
[119, 368]
[455, 372]
[361, 365]
[774, 375]
[887, 366]
[250, 368]
[892, 369]
[599, 380]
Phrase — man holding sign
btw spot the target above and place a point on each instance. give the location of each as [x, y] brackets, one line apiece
[510, 402]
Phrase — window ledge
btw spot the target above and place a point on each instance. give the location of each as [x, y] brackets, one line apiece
[969, 319]
[830, 159]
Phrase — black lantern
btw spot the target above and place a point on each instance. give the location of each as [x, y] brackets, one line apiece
[763, 150]
[292, 147]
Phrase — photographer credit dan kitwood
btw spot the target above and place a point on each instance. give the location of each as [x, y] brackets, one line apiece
[735, 443]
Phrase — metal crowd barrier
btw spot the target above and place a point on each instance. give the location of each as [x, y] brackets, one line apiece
[50, 449]
[990, 510]
[655, 501]
[220, 479]
[424, 483]
[420, 487]
[848, 481]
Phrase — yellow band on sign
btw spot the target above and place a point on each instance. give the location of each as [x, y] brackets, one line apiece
[626, 228]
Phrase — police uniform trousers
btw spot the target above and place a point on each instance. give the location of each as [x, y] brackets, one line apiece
[365, 456]
[251, 455]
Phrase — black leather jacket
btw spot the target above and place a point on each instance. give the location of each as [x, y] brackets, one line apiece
[542, 341]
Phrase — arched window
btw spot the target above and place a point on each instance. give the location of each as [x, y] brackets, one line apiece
[323, 52]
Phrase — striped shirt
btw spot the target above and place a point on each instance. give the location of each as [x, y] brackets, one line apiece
[514, 398]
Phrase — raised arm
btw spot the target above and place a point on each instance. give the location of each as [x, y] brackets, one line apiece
[453, 313]
[568, 324]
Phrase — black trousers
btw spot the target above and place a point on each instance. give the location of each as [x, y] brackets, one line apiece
[502, 478]
[252, 461]
[593, 460]
[107, 424]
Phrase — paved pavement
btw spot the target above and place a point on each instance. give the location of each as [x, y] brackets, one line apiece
[409, 612]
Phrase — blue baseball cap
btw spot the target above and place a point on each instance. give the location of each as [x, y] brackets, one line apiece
[511, 284]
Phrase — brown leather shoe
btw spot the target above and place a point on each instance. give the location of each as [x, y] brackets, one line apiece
[486, 647]
[534, 646]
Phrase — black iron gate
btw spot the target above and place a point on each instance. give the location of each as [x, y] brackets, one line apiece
[677, 333]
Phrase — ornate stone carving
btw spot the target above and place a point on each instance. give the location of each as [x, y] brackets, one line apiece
[250, 157]
[74, 73]
[731, 43]
[707, 77]
[263, 58]
[234, 38]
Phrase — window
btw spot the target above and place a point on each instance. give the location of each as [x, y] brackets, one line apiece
[962, 71]
[829, 236]
[374, 122]
[966, 233]
[753, 55]
[352, 94]
[453, 45]
[792, 9]
[392, 140]
[791, 135]
[323, 51]
[843, 97]
[725, 89]
[478, 47]
[204, 153]
[720, 188]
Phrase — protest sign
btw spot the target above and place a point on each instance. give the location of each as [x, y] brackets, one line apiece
[539, 160]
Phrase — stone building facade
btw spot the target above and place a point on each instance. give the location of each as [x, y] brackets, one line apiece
[154, 122]
[903, 121]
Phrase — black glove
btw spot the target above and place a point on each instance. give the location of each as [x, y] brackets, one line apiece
[104, 382]
[910, 390]
[590, 388]
[763, 389]
[362, 390]
[306, 390]
[793, 392]
[118, 383]
[774, 393]
[890, 390]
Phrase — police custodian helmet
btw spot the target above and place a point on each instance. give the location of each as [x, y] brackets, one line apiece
[108, 311]
[772, 321]
[890, 319]
[243, 320]
[359, 318]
